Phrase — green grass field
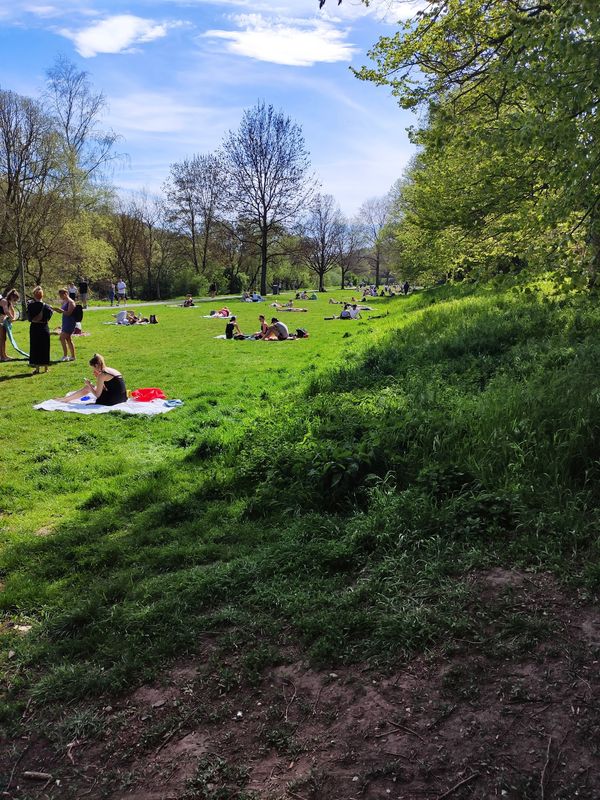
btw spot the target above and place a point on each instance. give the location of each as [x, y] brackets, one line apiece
[332, 492]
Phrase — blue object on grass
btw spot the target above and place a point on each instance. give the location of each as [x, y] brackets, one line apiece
[173, 403]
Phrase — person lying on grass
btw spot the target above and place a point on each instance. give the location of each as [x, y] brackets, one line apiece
[109, 389]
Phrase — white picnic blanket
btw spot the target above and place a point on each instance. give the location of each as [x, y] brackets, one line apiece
[215, 316]
[149, 409]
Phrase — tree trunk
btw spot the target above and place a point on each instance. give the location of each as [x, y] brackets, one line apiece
[594, 242]
[263, 262]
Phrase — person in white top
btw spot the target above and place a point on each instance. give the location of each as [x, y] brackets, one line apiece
[354, 312]
[121, 291]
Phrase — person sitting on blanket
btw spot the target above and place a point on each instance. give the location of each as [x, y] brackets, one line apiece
[276, 331]
[263, 327]
[188, 302]
[232, 330]
[109, 389]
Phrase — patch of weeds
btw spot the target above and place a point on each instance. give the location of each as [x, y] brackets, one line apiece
[83, 723]
[281, 739]
[462, 680]
[311, 786]
[216, 779]
[257, 659]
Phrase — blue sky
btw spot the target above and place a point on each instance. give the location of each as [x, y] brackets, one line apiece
[177, 75]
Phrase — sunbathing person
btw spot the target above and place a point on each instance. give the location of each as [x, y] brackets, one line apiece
[136, 319]
[276, 331]
[223, 313]
[109, 389]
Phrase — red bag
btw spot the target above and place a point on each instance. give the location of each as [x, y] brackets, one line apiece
[148, 394]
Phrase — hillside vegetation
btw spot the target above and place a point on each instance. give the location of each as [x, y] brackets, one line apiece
[343, 514]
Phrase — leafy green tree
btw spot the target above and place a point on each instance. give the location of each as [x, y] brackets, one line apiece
[515, 82]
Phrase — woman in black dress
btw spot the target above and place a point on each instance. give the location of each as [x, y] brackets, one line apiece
[38, 314]
[109, 389]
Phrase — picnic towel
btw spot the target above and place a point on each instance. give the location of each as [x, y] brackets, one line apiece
[88, 406]
[215, 316]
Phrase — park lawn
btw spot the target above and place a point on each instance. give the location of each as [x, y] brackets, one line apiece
[333, 493]
[57, 460]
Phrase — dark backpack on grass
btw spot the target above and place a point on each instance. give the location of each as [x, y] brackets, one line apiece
[77, 312]
[301, 333]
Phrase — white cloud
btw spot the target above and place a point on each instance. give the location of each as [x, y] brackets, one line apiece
[297, 43]
[116, 34]
[146, 112]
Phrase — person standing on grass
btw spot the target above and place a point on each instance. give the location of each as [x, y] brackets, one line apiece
[38, 314]
[68, 325]
[72, 290]
[7, 315]
[83, 291]
[111, 292]
[121, 291]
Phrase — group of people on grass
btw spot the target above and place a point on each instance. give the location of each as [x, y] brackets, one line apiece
[276, 331]
[39, 313]
[350, 311]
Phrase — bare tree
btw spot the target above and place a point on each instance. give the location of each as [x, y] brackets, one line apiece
[320, 235]
[30, 180]
[268, 174]
[373, 217]
[76, 110]
[195, 192]
[125, 235]
[349, 245]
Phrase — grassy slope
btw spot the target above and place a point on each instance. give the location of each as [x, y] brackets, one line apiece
[333, 490]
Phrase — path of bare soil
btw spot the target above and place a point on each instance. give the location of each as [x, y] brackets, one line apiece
[476, 724]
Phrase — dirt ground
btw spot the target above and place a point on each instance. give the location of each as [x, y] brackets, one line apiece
[476, 724]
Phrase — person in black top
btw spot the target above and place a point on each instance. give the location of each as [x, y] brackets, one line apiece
[109, 389]
[83, 292]
[38, 314]
[232, 330]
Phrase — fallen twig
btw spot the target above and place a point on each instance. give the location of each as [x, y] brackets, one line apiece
[314, 708]
[37, 776]
[8, 785]
[405, 728]
[26, 709]
[175, 730]
[456, 786]
[287, 707]
[543, 775]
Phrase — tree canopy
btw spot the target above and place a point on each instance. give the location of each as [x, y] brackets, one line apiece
[510, 143]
